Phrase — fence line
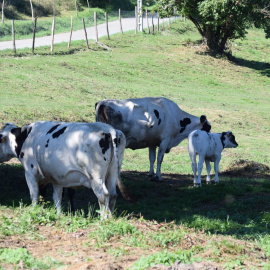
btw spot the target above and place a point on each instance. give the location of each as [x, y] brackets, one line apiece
[121, 14]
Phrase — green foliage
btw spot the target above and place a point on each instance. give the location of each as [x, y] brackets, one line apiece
[112, 228]
[220, 21]
[165, 258]
[22, 256]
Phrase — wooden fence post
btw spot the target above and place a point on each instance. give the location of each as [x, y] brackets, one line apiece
[107, 26]
[86, 39]
[70, 35]
[153, 26]
[136, 20]
[158, 22]
[53, 27]
[148, 29]
[34, 35]
[96, 30]
[163, 25]
[121, 29]
[13, 36]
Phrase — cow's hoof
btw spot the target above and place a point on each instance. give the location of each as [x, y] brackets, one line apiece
[156, 179]
[208, 182]
[197, 185]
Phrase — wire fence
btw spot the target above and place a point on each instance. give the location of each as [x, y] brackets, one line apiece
[18, 34]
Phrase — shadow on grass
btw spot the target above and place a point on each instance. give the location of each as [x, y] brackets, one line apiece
[262, 67]
[237, 206]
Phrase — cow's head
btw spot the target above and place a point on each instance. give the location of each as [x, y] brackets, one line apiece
[228, 140]
[205, 124]
[7, 142]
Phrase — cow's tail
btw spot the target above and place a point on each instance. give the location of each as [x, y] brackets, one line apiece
[118, 139]
[101, 113]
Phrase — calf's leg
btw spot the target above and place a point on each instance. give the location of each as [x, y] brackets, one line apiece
[57, 197]
[208, 169]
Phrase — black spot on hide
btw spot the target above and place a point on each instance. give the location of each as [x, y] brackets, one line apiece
[32, 166]
[59, 132]
[222, 138]
[157, 116]
[195, 135]
[116, 142]
[105, 159]
[156, 113]
[206, 127]
[21, 154]
[47, 143]
[20, 137]
[184, 123]
[104, 143]
[53, 129]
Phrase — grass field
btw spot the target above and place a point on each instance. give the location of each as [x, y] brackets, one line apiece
[225, 225]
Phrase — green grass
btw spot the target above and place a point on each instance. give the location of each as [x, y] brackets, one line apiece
[229, 221]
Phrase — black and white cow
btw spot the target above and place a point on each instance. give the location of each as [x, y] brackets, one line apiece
[67, 155]
[209, 147]
[150, 122]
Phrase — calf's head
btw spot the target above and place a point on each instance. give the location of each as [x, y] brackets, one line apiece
[228, 140]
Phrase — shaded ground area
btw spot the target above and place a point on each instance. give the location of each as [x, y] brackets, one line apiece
[163, 205]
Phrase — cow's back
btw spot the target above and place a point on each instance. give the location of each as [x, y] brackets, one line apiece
[57, 149]
[144, 121]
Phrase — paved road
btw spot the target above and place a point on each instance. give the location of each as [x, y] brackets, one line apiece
[114, 27]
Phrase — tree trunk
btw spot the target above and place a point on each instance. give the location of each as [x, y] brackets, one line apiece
[32, 9]
[3, 16]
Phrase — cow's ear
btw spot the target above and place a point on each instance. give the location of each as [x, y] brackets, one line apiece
[16, 132]
[229, 134]
[202, 119]
[96, 105]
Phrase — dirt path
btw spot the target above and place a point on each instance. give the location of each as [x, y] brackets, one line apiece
[114, 27]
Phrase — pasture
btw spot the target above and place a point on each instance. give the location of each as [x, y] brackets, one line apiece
[225, 225]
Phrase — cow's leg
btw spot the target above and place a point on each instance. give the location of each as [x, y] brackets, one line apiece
[71, 193]
[200, 167]
[161, 151]
[57, 197]
[111, 181]
[216, 167]
[192, 156]
[101, 191]
[208, 169]
[152, 158]
[33, 187]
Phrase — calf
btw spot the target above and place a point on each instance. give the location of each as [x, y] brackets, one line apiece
[150, 122]
[68, 155]
[209, 147]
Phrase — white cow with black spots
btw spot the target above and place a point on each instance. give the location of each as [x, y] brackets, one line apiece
[68, 155]
[150, 122]
[209, 147]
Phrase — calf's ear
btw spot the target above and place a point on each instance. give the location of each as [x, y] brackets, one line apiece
[2, 138]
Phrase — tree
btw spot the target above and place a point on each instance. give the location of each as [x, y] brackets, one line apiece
[219, 21]
[3, 15]
[32, 10]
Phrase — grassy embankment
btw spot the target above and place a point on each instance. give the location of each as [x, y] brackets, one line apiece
[228, 223]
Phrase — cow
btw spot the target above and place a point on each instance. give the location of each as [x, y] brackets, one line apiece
[68, 155]
[209, 147]
[150, 122]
